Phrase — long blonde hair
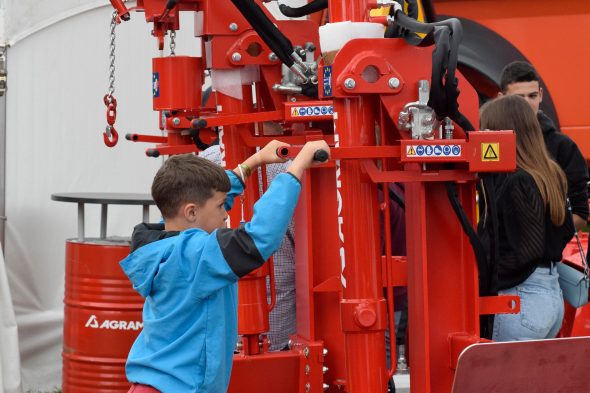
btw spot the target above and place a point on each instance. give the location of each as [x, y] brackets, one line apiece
[514, 113]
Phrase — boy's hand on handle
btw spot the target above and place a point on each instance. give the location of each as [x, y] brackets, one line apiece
[266, 155]
[305, 158]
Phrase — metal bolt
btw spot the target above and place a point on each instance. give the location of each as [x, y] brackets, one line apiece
[393, 83]
[290, 344]
[324, 369]
[307, 369]
[307, 387]
[325, 351]
[349, 83]
[273, 57]
[306, 352]
[176, 121]
[325, 386]
[233, 26]
[239, 346]
[236, 57]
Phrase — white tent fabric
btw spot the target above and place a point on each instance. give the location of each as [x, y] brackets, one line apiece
[24, 17]
[57, 76]
[10, 380]
[55, 119]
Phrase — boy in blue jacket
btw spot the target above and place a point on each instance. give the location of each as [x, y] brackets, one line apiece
[187, 268]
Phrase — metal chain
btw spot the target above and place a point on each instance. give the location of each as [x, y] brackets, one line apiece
[110, 134]
[172, 42]
[112, 57]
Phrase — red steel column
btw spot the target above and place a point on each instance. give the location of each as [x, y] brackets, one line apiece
[362, 306]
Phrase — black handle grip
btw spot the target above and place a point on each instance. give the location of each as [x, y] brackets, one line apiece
[171, 4]
[321, 155]
[152, 153]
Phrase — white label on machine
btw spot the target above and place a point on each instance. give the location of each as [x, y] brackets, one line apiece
[311, 111]
[433, 151]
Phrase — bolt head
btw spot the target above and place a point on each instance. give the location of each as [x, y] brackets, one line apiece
[176, 121]
[349, 83]
[394, 83]
[233, 26]
[272, 57]
[236, 57]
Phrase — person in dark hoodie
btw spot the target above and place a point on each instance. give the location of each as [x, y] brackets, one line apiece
[187, 268]
[521, 78]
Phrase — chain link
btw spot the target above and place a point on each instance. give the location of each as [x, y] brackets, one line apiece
[172, 42]
[112, 57]
[110, 135]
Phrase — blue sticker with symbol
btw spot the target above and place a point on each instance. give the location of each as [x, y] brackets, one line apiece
[456, 150]
[437, 150]
[324, 110]
[447, 150]
[331, 110]
[428, 150]
[419, 150]
[327, 81]
[156, 84]
[316, 110]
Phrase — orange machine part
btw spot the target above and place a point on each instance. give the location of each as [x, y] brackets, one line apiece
[552, 36]
[102, 318]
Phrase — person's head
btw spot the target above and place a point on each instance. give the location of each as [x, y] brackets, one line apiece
[512, 112]
[521, 78]
[190, 192]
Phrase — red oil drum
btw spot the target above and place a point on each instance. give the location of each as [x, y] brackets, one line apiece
[177, 82]
[102, 317]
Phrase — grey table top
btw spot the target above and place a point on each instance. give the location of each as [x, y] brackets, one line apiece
[111, 198]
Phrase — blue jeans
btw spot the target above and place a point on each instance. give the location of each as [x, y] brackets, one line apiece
[541, 308]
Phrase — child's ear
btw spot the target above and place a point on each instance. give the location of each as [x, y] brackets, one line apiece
[190, 212]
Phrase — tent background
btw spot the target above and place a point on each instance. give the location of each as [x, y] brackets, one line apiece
[57, 76]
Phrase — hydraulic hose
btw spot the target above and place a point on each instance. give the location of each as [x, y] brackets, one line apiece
[446, 35]
[309, 8]
[269, 33]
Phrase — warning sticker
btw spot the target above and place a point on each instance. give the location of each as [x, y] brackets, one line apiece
[490, 152]
[433, 151]
[311, 111]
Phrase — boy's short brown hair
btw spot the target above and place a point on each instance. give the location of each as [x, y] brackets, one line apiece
[187, 178]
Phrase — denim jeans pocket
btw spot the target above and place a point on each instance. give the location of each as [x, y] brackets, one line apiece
[537, 309]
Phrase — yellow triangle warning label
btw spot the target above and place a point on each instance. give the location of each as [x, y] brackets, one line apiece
[410, 151]
[490, 152]
[294, 112]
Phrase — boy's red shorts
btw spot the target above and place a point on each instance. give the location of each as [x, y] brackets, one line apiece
[139, 388]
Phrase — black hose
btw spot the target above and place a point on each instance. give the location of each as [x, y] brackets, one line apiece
[309, 8]
[446, 35]
[413, 9]
[269, 33]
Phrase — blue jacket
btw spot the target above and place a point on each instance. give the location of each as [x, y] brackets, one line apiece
[189, 282]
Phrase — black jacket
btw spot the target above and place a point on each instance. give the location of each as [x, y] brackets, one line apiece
[527, 238]
[566, 153]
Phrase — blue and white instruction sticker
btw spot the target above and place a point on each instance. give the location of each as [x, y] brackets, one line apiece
[433, 151]
[327, 81]
[311, 111]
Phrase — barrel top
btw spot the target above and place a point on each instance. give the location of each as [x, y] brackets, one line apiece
[111, 198]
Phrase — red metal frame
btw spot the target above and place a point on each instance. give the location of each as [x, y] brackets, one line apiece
[342, 272]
